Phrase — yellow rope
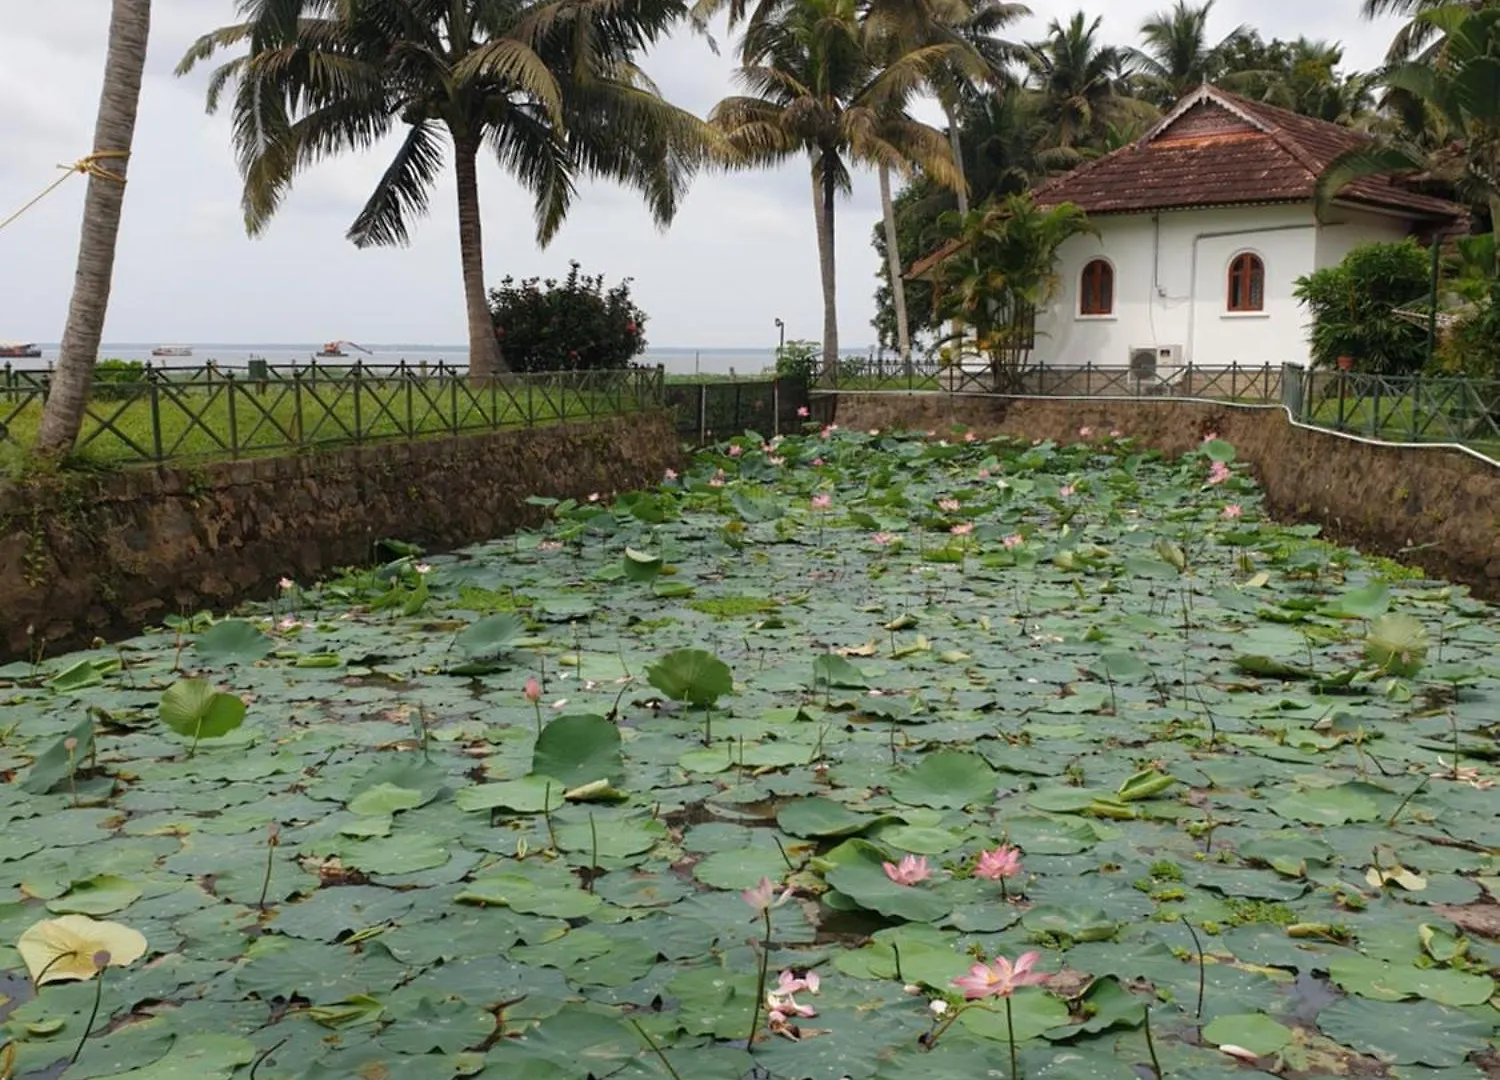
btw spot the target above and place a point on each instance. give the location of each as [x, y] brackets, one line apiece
[89, 166]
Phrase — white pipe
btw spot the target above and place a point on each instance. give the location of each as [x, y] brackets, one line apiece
[1192, 345]
[1249, 406]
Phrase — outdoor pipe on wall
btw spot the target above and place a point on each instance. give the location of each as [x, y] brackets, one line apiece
[1193, 280]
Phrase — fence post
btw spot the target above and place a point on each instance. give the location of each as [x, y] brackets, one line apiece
[155, 393]
[453, 398]
[702, 413]
[1343, 378]
[775, 407]
[234, 422]
[297, 405]
[359, 428]
[1375, 409]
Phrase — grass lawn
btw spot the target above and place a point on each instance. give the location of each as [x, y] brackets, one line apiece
[834, 733]
[1399, 419]
[200, 420]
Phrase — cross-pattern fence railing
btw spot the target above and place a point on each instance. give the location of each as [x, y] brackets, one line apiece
[1391, 408]
[160, 414]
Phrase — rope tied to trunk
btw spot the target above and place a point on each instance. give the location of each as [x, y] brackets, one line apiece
[89, 165]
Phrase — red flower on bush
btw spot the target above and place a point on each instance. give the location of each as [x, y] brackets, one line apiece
[573, 324]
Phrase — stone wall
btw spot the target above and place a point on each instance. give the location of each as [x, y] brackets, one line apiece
[1429, 507]
[102, 555]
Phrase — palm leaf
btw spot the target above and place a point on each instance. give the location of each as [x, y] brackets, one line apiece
[1378, 159]
[403, 190]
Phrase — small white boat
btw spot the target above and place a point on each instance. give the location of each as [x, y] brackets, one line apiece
[172, 350]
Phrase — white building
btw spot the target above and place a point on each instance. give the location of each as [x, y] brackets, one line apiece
[1204, 225]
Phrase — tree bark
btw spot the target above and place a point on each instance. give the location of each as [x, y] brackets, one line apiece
[485, 358]
[823, 200]
[114, 133]
[893, 263]
[955, 144]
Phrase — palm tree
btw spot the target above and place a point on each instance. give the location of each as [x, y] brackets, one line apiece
[114, 136]
[1002, 270]
[1177, 57]
[815, 89]
[550, 87]
[1420, 36]
[1457, 85]
[1076, 76]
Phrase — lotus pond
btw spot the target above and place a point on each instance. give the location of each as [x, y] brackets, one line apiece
[791, 743]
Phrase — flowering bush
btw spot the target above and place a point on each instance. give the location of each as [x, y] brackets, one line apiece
[570, 325]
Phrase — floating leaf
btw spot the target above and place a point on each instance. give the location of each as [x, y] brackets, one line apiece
[1255, 1032]
[194, 709]
[692, 676]
[579, 749]
[948, 778]
[233, 641]
[102, 894]
[63, 949]
[1416, 1033]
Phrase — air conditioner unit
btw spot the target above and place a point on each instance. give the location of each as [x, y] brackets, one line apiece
[1145, 359]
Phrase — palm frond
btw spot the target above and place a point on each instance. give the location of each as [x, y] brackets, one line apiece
[511, 63]
[1378, 159]
[402, 192]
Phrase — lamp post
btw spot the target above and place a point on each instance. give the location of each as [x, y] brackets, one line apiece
[781, 345]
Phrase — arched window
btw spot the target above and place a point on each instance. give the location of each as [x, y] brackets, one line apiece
[1247, 283]
[1096, 295]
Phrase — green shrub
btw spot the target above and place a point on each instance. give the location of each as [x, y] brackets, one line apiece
[798, 359]
[117, 380]
[1354, 307]
[570, 325]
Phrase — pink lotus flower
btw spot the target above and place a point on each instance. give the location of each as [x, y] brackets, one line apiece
[822, 502]
[932, 434]
[802, 411]
[874, 431]
[593, 496]
[288, 624]
[883, 538]
[717, 480]
[969, 436]
[1013, 541]
[1085, 433]
[763, 897]
[962, 529]
[787, 983]
[1218, 472]
[286, 584]
[949, 506]
[818, 463]
[1210, 436]
[911, 870]
[670, 474]
[1000, 978]
[1066, 491]
[984, 474]
[1233, 510]
[735, 450]
[532, 691]
[826, 432]
[1116, 434]
[777, 461]
[550, 545]
[422, 569]
[1003, 862]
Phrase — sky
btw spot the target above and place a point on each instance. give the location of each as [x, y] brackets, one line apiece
[740, 254]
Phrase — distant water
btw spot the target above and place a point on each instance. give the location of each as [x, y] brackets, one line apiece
[677, 361]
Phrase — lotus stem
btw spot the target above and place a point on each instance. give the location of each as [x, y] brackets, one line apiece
[760, 986]
[264, 1056]
[655, 1049]
[1151, 1046]
[547, 815]
[101, 961]
[273, 838]
[594, 855]
[1010, 1034]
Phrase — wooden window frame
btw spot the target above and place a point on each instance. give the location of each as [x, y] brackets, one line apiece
[1096, 289]
[1246, 284]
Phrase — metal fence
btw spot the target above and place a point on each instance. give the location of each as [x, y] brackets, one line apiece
[718, 410]
[1401, 408]
[1232, 382]
[160, 414]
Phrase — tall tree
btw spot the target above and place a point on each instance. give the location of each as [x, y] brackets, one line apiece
[1457, 85]
[815, 88]
[114, 136]
[1420, 35]
[1178, 55]
[550, 87]
[1077, 77]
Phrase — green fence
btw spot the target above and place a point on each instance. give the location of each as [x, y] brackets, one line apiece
[1394, 408]
[1231, 382]
[196, 413]
[718, 410]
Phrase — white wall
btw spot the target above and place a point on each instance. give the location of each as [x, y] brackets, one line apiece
[1346, 229]
[1172, 288]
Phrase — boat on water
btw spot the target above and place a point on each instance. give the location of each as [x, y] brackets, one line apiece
[27, 351]
[334, 350]
[172, 350]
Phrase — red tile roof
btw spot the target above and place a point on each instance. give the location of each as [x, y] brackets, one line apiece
[1218, 149]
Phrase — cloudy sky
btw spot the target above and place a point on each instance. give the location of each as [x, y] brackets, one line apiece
[740, 254]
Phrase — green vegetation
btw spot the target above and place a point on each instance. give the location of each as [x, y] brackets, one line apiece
[572, 324]
[575, 793]
[1355, 309]
[209, 417]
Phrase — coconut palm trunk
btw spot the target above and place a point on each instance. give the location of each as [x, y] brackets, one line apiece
[485, 359]
[893, 264]
[955, 143]
[824, 191]
[114, 133]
